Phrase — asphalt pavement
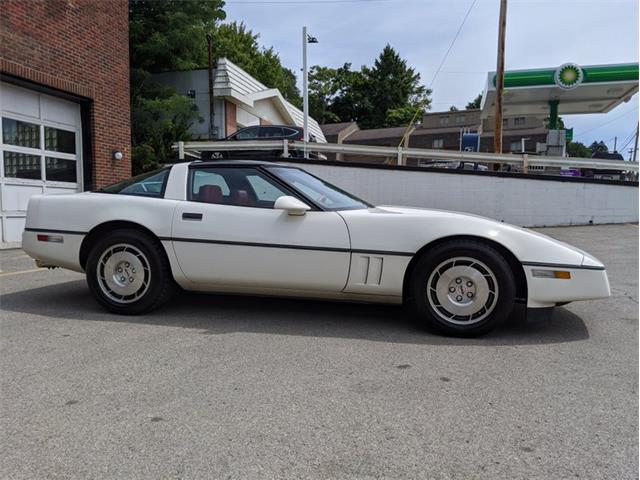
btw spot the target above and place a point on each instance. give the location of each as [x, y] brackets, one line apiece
[216, 387]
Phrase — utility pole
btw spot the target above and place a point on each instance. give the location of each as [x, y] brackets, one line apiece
[212, 129]
[502, 26]
[615, 144]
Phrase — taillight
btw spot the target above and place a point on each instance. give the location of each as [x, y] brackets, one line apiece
[50, 238]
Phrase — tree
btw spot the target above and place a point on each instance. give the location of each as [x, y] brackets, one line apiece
[387, 94]
[160, 122]
[323, 87]
[169, 34]
[598, 147]
[453, 108]
[578, 149]
[475, 103]
[391, 85]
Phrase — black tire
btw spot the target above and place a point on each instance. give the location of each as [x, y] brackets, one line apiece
[435, 274]
[157, 281]
[218, 155]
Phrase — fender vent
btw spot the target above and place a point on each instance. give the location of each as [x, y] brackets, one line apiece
[369, 270]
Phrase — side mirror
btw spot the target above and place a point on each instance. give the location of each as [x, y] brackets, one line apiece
[292, 205]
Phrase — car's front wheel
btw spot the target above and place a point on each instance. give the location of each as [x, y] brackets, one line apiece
[128, 272]
[462, 288]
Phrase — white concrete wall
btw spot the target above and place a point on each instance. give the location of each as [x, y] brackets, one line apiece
[529, 203]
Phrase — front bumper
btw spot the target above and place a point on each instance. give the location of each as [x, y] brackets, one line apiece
[586, 283]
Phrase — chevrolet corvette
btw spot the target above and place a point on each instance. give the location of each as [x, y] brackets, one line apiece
[260, 228]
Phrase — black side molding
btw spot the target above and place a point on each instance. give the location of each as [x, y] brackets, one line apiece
[562, 265]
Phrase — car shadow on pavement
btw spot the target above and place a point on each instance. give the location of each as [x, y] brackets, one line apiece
[221, 314]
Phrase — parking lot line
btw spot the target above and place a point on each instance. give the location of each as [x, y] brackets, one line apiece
[20, 272]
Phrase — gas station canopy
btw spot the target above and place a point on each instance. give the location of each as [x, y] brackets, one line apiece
[567, 89]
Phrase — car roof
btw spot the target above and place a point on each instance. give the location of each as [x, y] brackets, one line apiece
[270, 125]
[237, 163]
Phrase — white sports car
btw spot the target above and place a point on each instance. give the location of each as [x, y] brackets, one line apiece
[264, 228]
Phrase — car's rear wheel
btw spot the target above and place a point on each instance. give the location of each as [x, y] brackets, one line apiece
[462, 288]
[128, 272]
[217, 155]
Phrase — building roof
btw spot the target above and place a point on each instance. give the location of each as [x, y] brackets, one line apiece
[335, 128]
[376, 133]
[232, 81]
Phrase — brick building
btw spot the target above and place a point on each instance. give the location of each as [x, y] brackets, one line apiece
[64, 100]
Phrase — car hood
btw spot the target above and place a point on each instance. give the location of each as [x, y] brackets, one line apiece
[407, 229]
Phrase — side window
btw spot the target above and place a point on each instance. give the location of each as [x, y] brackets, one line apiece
[150, 184]
[247, 133]
[268, 132]
[207, 180]
[290, 132]
[266, 192]
[235, 186]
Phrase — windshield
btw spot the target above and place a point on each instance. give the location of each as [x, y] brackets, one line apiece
[150, 184]
[320, 192]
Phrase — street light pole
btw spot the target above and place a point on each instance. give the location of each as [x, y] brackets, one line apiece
[305, 85]
[305, 90]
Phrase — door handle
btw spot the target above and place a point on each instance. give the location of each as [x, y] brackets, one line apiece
[192, 216]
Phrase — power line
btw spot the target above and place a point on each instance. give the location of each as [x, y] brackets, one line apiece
[452, 43]
[300, 2]
[628, 141]
[439, 68]
[608, 122]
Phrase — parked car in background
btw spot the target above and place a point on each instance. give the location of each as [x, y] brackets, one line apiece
[605, 174]
[464, 165]
[265, 228]
[263, 133]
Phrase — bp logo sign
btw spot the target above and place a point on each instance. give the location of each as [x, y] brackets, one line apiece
[568, 76]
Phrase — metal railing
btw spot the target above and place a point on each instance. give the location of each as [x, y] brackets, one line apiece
[195, 149]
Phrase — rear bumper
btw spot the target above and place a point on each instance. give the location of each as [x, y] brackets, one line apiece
[65, 253]
[586, 283]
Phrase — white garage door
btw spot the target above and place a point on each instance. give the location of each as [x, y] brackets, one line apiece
[40, 152]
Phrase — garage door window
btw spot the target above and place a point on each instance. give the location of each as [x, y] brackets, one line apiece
[33, 151]
[60, 170]
[21, 165]
[21, 134]
[58, 140]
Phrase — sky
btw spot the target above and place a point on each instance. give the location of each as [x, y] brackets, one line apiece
[540, 33]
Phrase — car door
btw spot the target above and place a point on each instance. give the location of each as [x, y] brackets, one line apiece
[228, 234]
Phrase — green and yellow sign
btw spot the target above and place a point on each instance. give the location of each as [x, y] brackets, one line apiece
[568, 76]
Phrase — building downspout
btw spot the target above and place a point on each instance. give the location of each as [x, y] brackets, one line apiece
[213, 131]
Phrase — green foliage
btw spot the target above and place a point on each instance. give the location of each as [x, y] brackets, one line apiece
[453, 108]
[158, 123]
[578, 149]
[475, 103]
[170, 34]
[385, 95]
[598, 147]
